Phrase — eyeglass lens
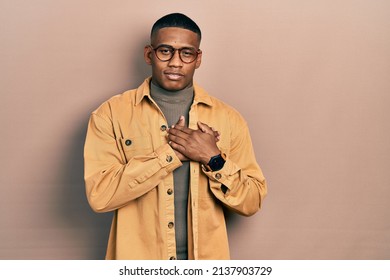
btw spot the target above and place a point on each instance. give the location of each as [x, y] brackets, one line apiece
[165, 53]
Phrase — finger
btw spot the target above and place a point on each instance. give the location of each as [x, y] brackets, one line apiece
[217, 135]
[181, 149]
[205, 128]
[180, 131]
[172, 138]
[181, 121]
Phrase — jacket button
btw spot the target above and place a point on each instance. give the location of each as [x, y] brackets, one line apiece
[172, 258]
[169, 158]
[170, 224]
[128, 142]
[163, 127]
[218, 176]
[169, 191]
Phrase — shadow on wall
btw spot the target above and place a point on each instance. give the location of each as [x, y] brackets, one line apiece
[90, 230]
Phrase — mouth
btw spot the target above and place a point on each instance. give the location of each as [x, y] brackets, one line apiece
[173, 76]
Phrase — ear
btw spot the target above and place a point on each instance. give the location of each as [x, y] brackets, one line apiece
[148, 55]
[198, 60]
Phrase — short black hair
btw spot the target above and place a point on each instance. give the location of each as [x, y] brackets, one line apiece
[176, 20]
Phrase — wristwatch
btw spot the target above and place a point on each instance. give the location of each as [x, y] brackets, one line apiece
[216, 162]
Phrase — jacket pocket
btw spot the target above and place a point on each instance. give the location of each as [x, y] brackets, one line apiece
[136, 145]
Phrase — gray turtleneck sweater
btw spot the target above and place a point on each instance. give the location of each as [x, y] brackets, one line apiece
[173, 105]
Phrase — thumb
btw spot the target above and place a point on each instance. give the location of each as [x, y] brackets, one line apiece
[181, 121]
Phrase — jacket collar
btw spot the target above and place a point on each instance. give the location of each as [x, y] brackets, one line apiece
[200, 95]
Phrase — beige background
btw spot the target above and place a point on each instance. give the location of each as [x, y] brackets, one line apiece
[310, 77]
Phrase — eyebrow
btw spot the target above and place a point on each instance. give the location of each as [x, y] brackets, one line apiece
[169, 46]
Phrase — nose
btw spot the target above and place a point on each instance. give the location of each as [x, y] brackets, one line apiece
[175, 60]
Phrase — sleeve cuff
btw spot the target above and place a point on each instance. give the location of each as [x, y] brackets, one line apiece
[222, 176]
[167, 158]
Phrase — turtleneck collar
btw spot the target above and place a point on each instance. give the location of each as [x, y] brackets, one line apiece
[179, 96]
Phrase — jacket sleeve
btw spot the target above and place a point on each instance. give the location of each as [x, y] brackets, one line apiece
[111, 181]
[240, 185]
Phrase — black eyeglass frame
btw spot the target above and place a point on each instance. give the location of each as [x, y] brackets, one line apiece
[173, 50]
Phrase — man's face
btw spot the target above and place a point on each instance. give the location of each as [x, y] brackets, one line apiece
[173, 75]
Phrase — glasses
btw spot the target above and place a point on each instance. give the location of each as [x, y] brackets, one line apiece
[166, 52]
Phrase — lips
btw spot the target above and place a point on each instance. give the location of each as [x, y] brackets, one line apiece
[174, 76]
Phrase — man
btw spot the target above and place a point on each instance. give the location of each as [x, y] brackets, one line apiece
[168, 158]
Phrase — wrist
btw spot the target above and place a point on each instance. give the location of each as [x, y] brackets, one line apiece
[205, 157]
[205, 160]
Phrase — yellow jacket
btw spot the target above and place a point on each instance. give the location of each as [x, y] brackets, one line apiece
[129, 169]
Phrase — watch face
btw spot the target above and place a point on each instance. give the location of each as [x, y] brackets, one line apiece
[216, 163]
